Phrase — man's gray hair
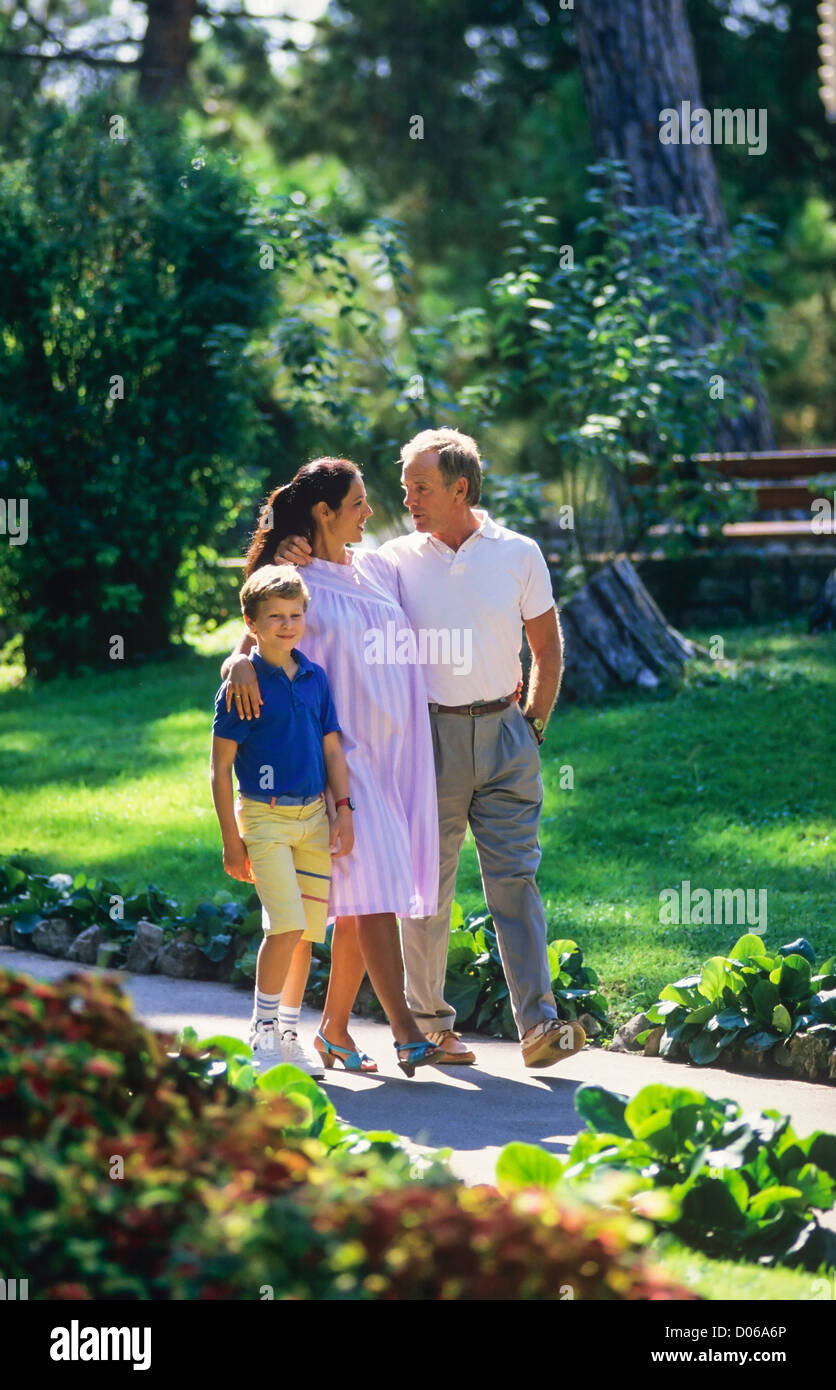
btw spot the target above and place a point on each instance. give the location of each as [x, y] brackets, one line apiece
[458, 457]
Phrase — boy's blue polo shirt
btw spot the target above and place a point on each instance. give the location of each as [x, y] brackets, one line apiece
[287, 736]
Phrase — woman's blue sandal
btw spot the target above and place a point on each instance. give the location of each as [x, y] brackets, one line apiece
[352, 1061]
[421, 1054]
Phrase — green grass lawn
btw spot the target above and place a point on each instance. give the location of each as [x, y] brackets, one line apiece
[728, 783]
[737, 1281]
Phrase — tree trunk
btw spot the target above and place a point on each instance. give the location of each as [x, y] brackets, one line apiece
[617, 638]
[637, 59]
[167, 48]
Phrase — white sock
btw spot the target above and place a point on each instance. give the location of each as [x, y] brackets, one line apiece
[266, 1005]
[289, 1018]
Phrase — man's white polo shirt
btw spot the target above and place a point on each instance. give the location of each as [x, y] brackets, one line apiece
[467, 607]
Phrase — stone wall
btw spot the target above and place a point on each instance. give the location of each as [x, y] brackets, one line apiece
[728, 588]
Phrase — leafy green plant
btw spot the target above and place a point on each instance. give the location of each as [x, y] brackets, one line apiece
[517, 500]
[751, 998]
[218, 927]
[609, 350]
[721, 1181]
[133, 1167]
[476, 987]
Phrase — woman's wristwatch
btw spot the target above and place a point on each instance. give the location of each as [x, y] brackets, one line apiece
[344, 801]
[538, 725]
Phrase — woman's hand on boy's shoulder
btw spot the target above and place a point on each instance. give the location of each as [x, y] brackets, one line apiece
[242, 687]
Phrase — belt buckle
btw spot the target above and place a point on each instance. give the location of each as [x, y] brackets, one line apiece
[473, 706]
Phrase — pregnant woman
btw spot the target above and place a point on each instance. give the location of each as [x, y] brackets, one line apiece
[382, 708]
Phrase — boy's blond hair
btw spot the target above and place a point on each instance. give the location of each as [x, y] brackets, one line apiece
[272, 581]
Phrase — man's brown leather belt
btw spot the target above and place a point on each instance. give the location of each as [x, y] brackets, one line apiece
[477, 708]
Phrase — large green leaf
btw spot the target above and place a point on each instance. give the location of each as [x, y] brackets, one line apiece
[242, 1074]
[713, 978]
[736, 1185]
[764, 998]
[462, 950]
[682, 991]
[763, 1202]
[732, 1017]
[800, 947]
[781, 1019]
[661, 1012]
[251, 923]
[823, 1006]
[792, 977]
[218, 946]
[651, 1102]
[816, 1186]
[526, 1165]
[749, 947]
[700, 1014]
[230, 1047]
[289, 1081]
[26, 923]
[462, 993]
[706, 1047]
[822, 1152]
[602, 1110]
[712, 1205]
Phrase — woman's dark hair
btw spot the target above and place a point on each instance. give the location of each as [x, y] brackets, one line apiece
[287, 511]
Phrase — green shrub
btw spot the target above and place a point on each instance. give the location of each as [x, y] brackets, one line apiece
[614, 360]
[723, 1183]
[219, 928]
[751, 998]
[135, 258]
[131, 1170]
[476, 987]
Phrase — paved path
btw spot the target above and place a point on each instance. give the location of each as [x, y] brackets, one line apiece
[472, 1110]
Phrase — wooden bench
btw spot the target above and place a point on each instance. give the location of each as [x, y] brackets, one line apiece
[778, 482]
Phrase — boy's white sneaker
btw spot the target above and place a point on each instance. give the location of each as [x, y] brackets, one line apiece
[265, 1041]
[292, 1051]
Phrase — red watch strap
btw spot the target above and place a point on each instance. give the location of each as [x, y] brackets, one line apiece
[343, 801]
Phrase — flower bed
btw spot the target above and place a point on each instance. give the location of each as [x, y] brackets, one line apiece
[132, 1169]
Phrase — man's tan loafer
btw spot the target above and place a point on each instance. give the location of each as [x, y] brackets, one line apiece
[456, 1053]
[552, 1041]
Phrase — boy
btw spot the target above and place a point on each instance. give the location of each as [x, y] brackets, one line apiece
[277, 835]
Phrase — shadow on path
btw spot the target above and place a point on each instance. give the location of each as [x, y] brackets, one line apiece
[465, 1112]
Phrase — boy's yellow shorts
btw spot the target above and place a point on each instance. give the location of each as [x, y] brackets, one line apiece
[291, 862]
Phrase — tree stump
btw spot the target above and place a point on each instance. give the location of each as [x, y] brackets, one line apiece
[823, 616]
[616, 638]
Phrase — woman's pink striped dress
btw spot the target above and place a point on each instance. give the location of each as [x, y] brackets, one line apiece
[382, 709]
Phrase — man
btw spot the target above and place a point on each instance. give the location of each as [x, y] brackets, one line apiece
[459, 569]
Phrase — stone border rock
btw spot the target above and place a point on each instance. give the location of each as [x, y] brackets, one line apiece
[805, 1056]
[147, 951]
